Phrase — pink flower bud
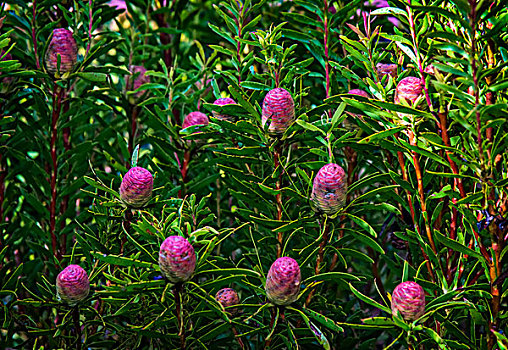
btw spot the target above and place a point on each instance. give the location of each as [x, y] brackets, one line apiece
[72, 284]
[138, 78]
[408, 298]
[283, 281]
[348, 124]
[177, 259]
[278, 109]
[221, 102]
[195, 118]
[329, 189]
[386, 69]
[409, 89]
[62, 44]
[136, 188]
[228, 297]
[192, 119]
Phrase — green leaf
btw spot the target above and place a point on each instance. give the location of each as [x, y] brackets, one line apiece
[368, 300]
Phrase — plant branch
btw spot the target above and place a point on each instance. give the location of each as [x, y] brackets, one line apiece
[77, 326]
[178, 289]
[57, 105]
[278, 197]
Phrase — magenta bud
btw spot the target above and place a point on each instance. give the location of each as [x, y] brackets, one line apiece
[221, 102]
[283, 281]
[409, 89]
[192, 119]
[195, 118]
[329, 189]
[348, 124]
[136, 79]
[177, 259]
[228, 297]
[136, 188]
[386, 69]
[408, 299]
[62, 44]
[278, 109]
[358, 92]
[72, 285]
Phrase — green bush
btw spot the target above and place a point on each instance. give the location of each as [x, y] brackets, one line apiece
[418, 192]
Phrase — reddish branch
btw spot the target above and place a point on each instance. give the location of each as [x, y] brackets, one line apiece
[278, 196]
[57, 105]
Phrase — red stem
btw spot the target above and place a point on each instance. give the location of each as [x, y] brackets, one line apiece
[327, 64]
[278, 197]
[57, 105]
[34, 39]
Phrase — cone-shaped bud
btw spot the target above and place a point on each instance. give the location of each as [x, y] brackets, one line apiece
[62, 44]
[118, 4]
[386, 69]
[195, 118]
[221, 102]
[283, 281]
[228, 297]
[278, 110]
[358, 92]
[409, 89]
[347, 124]
[177, 259]
[72, 284]
[136, 188]
[329, 189]
[138, 78]
[408, 298]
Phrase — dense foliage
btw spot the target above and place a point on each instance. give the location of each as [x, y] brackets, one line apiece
[426, 171]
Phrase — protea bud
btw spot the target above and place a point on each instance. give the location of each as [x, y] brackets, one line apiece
[329, 189]
[221, 102]
[278, 109]
[283, 281]
[177, 259]
[408, 298]
[136, 79]
[72, 284]
[409, 89]
[228, 297]
[62, 44]
[347, 124]
[195, 118]
[386, 69]
[136, 188]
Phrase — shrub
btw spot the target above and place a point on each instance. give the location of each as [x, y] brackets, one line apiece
[99, 166]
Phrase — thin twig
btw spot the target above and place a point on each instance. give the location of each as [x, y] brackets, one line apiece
[77, 327]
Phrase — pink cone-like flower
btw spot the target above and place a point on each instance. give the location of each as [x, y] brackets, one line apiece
[408, 298]
[118, 4]
[278, 109]
[177, 259]
[329, 189]
[72, 284]
[228, 297]
[195, 118]
[283, 281]
[136, 188]
[409, 89]
[221, 102]
[348, 124]
[62, 44]
[138, 74]
[386, 69]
